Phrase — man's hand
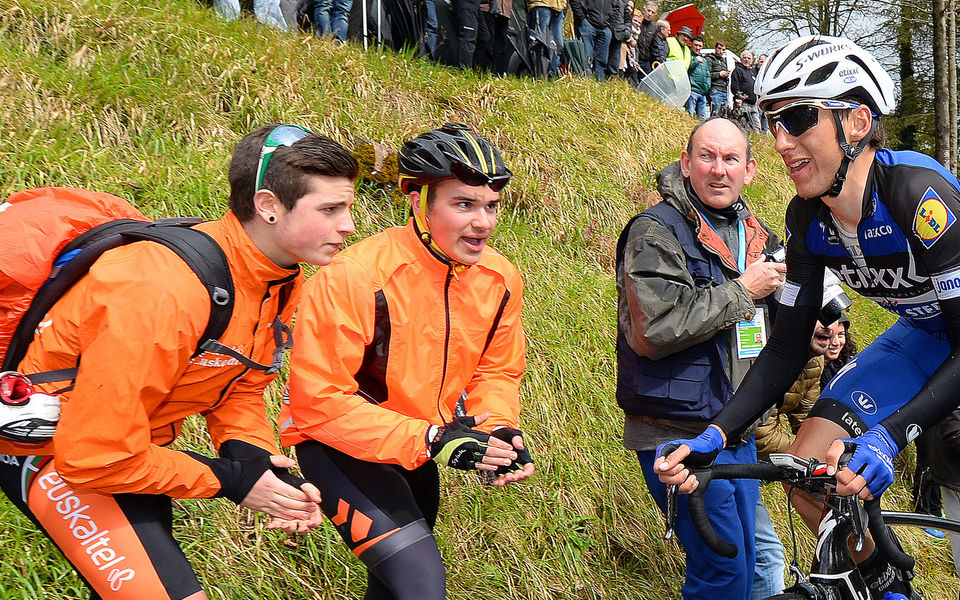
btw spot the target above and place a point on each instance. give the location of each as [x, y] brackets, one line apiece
[870, 469]
[762, 278]
[460, 446]
[283, 501]
[701, 450]
[520, 468]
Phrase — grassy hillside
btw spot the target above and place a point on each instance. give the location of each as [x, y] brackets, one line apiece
[146, 98]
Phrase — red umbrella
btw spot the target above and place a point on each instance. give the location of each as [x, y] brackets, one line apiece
[687, 15]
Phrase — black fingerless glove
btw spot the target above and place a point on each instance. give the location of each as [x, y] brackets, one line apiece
[239, 467]
[237, 477]
[458, 445]
[523, 456]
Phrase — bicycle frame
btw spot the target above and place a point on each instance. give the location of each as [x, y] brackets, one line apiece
[833, 574]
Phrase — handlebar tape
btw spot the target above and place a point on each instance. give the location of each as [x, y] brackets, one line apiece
[885, 542]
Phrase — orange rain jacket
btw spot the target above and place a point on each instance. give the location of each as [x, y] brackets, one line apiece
[133, 323]
[387, 338]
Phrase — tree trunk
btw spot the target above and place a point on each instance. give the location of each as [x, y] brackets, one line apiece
[941, 81]
[954, 164]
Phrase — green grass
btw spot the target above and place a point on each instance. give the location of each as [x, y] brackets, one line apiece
[146, 99]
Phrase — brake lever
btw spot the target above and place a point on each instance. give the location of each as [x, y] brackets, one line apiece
[859, 520]
[672, 499]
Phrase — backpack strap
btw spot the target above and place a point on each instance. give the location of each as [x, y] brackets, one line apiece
[282, 339]
[201, 253]
[206, 259]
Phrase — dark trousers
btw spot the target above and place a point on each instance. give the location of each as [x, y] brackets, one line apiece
[468, 17]
[492, 43]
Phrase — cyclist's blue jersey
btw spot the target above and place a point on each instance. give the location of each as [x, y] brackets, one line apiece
[908, 236]
[905, 256]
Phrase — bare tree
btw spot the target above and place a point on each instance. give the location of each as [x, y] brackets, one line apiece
[952, 66]
[941, 77]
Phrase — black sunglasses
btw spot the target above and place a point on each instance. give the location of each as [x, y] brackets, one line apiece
[799, 117]
[475, 178]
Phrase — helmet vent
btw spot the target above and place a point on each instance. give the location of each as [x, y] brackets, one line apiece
[786, 87]
[797, 52]
[821, 74]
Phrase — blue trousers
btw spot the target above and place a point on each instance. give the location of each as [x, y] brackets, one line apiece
[771, 561]
[732, 510]
[597, 44]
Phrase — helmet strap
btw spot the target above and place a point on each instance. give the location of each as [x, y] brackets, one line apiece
[849, 153]
[422, 229]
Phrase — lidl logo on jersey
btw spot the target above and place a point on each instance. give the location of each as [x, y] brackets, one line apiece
[933, 218]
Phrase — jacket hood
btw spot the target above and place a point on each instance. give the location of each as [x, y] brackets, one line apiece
[672, 187]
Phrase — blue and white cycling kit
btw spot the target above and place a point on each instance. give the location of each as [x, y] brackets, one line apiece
[905, 256]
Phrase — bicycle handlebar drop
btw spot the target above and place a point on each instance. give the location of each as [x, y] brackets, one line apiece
[807, 475]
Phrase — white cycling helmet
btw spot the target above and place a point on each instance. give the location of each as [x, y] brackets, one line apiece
[825, 67]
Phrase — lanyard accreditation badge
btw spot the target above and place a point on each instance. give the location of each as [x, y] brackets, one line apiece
[752, 334]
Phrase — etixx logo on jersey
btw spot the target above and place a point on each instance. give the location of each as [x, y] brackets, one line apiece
[933, 218]
[864, 402]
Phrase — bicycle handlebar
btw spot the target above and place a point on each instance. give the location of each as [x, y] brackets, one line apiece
[796, 472]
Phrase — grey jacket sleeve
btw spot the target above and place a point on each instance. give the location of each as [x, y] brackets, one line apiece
[662, 309]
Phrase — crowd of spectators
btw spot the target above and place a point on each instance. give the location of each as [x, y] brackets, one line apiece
[616, 38]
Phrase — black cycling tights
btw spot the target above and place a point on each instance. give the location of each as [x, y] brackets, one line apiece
[386, 515]
[415, 573]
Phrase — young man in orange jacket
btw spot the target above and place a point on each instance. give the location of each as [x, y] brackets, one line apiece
[102, 487]
[389, 337]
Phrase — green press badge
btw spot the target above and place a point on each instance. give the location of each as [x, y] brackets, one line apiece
[751, 336]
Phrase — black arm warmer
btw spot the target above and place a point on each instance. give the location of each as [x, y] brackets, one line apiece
[778, 365]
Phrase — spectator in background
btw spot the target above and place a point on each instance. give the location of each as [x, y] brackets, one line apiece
[622, 32]
[648, 38]
[699, 73]
[492, 36]
[742, 81]
[756, 70]
[545, 20]
[330, 17]
[592, 19]
[737, 112]
[660, 45]
[842, 348]
[719, 78]
[632, 70]
[431, 30]
[468, 24]
[678, 46]
[267, 12]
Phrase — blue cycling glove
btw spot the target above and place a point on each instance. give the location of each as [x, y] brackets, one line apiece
[703, 448]
[873, 458]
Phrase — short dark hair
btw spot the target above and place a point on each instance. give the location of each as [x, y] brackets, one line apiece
[288, 171]
[746, 136]
[879, 138]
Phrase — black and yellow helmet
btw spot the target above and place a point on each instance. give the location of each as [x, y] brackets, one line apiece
[453, 151]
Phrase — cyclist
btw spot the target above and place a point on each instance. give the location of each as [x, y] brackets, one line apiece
[102, 488]
[882, 221]
[389, 337]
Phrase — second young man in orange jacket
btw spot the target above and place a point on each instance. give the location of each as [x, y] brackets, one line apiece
[389, 337]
